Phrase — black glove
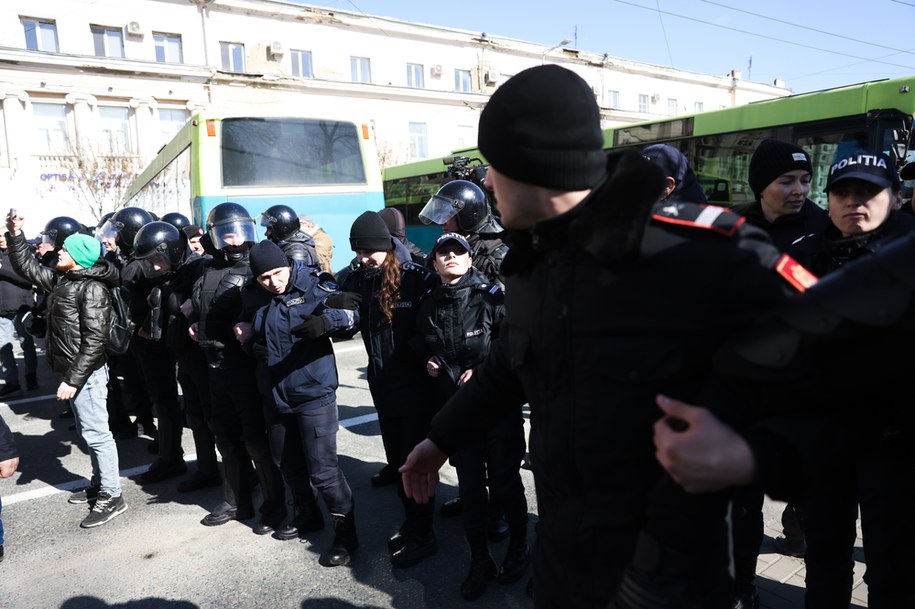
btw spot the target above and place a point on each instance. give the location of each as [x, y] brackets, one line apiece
[312, 326]
[259, 350]
[343, 300]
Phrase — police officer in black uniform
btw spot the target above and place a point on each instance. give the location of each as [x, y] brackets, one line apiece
[607, 304]
[460, 206]
[121, 228]
[193, 375]
[283, 228]
[238, 420]
[858, 318]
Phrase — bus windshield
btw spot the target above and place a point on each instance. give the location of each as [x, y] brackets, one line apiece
[290, 152]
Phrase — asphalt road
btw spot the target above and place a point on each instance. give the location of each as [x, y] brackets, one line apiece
[157, 555]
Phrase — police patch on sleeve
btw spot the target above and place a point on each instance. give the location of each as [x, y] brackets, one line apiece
[795, 273]
[710, 217]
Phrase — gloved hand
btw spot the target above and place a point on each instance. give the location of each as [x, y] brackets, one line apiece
[259, 350]
[312, 326]
[343, 300]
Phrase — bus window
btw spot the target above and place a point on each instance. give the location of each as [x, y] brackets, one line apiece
[290, 152]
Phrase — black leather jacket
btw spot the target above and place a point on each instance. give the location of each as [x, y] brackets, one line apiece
[77, 328]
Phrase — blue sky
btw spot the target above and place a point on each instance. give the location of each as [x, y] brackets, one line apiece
[809, 44]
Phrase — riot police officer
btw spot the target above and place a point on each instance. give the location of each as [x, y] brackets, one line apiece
[460, 206]
[53, 236]
[283, 228]
[158, 249]
[238, 420]
[164, 249]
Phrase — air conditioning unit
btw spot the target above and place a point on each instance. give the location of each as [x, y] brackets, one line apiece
[436, 70]
[134, 27]
[490, 77]
[276, 48]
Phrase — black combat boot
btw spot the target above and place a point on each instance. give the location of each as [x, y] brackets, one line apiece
[418, 541]
[306, 518]
[345, 539]
[482, 568]
[516, 559]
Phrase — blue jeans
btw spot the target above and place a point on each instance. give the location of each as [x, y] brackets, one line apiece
[1, 521]
[91, 410]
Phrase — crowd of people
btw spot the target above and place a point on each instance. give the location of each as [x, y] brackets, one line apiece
[656, 427]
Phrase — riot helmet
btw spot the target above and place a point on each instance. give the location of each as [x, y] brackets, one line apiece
[160, 241]
[462, 199]
[280, 221]
[176, 219]
[59, 228]
[229, 224]
[123, 226]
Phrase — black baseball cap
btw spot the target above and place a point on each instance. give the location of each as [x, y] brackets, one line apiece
[445, 238]
[861, 164]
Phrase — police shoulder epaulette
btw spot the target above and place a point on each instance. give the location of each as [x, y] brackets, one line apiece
[327, 282]
[412, 266]
[795, 273]
[710, 217]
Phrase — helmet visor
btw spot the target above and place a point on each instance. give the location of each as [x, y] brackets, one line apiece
[438, 210]
[265, 219]
[48, 236]
[108, 230]
[235, 232]
[156, 264]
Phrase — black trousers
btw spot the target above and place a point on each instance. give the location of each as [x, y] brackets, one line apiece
[241, 436]
[496, 460]
[157, 365]
[194, 378]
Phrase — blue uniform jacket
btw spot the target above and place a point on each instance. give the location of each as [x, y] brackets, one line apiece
[303, 372]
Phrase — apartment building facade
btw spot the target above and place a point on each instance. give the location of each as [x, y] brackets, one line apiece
[90, 90]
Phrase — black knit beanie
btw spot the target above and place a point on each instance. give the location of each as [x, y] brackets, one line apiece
[542, 127]
[266, 256]
[369, 232]
[773, 158]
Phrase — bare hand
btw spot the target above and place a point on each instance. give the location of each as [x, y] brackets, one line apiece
[8, 467]
[420, 471]
[700, 453]
[14, 225]
[65, 391]
[192, 331]
[465, 376]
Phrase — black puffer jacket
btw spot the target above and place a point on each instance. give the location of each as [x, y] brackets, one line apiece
[77, 327]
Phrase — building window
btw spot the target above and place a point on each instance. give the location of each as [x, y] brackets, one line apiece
[419, 148]
[415, 75]
[171, 120]
[51, 128]
[301, 64]
[109, 42]
[168, 48]
[643, 103]
[40, 35]
[698, 107]
[613, 99]
[671, 106]
[360, 69]
[114, 137]
[466, 136]
[233, 56]
[462, 81]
